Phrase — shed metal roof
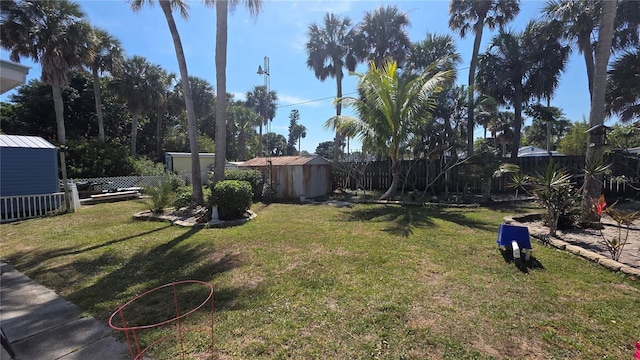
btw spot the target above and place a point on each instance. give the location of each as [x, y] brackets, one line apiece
[287, 161]
[30, 142]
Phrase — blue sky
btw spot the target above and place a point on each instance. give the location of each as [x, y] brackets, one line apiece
[280, 32]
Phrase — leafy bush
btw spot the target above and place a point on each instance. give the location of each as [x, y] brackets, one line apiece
[146, 167]
[233, 198]
[90, 158]
[269, 193]
[253, 177]
[184, 196]
[160, 196]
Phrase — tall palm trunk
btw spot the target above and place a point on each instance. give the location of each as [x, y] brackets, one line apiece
[338, 139]
[135, 114]
[159, 136]
[242, 145]
[587, 53]
[479, 27]
[395, 180]
[98, 98]
[58, 105]
[196, 180]
[592, 184]
[222, 8]
[517, 119]
[260, 138]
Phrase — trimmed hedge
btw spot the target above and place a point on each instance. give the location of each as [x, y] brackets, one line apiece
[233, 198]
[253, 177]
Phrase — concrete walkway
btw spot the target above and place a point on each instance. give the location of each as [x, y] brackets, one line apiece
[40, 325]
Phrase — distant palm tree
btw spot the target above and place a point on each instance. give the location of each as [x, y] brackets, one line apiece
[54, 34]
[434, 47]
[382, 36]
[623, 86]
[389, 106]
[510, 70]
[329, 49]
[265, 105]
[222, 12]
[243, 120]
[465, 15]
[167, 8]
[139, 84]
[107, 56]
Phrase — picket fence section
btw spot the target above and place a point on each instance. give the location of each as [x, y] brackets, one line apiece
[21, 207]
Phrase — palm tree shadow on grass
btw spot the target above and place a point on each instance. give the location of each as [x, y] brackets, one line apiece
[403, 221]
[174, 260]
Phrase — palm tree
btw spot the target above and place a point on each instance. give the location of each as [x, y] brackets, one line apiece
[264, 104]
[222, 12]
[139, 84]
[389, 105]
[107, 56]
[596, 115]
[579, 19]
[433, 48]
[243, 120]
[167, 8]
[623, 86]
[382, 35]
[465, 15]
[510, 70]
[329, 49]
[54, 34]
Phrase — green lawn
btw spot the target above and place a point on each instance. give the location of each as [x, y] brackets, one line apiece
[318, 282]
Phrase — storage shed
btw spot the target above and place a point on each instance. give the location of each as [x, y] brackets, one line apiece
[180, 163]
[295, 176]
[29, 184]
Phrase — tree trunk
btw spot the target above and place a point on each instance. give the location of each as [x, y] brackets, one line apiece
[221, 82]
[98, 98]
[587, 52]
[242, 145]
[395, 182]
[135, 114]
[517, 120]
[196, 177]
[260, 138]
[159, 136]
[479, 27]
[338, 139]
[58, 105]
[593, 187]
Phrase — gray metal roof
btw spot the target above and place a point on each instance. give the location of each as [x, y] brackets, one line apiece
[19, 141]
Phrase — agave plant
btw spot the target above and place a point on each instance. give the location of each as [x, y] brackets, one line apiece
[160, 196]
[555, 192]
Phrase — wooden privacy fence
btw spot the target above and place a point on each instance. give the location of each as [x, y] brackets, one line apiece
[422, 173]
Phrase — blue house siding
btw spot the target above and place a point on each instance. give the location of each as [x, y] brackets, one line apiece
[28, 166]
[26, 171]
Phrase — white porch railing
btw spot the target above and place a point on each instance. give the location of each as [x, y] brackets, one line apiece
[13, 208]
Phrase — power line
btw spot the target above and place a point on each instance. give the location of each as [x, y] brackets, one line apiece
[332, 97]
[315, 100]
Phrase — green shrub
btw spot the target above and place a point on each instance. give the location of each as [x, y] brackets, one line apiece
[160, 196]
[144, 166]
[269, 193]
[184, 196]
[233, 198]
[253, 177]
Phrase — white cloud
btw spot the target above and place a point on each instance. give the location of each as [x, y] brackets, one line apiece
[239, 96]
